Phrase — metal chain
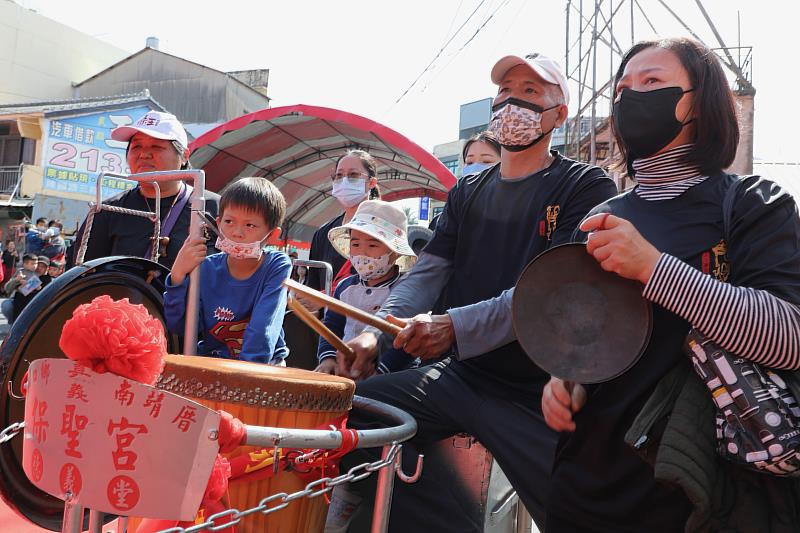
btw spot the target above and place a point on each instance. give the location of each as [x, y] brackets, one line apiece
[270, 504]
[11, 431]
[125, 211]
[279, 501]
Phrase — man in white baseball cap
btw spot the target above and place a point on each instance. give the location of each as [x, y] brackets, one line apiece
[547, 69]
[493, 225]
[156, 142]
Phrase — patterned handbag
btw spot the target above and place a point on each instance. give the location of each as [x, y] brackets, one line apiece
[758, 417]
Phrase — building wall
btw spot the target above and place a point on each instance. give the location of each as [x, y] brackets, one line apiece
[743, 163]
[194, 93]
[41, 58]
[450, 155]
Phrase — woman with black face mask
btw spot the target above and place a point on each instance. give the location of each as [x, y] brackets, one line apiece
[639, 453]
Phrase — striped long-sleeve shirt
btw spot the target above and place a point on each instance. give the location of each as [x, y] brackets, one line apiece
[754, 324]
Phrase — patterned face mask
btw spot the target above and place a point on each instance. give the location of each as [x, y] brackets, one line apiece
[239, 250]
[517, 124]
[372, 267]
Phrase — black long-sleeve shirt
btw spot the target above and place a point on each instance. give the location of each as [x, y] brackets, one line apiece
[598, 481]
[323, 250]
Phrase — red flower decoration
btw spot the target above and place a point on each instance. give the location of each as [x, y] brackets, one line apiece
[116, 336]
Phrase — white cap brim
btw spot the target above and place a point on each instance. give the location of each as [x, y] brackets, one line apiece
[124, 134]
[508, 62]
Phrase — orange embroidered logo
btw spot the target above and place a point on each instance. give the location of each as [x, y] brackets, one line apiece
[715, 262]
[548, 226]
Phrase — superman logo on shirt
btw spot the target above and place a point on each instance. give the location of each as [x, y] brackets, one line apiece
[231, 334]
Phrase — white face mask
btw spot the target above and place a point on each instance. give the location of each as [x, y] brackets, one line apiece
[372, 267]
[239, 250]
[349, 192]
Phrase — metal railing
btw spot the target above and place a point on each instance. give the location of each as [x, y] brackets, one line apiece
[9, 178]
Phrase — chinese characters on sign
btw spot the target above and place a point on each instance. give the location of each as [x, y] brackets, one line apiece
[116, 445]
[78, 149]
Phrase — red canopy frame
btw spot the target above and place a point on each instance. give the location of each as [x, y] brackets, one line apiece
[297, 146]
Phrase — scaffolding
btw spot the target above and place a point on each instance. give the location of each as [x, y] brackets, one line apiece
[598, 32]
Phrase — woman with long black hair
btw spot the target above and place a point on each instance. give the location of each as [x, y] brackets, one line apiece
[637, 453]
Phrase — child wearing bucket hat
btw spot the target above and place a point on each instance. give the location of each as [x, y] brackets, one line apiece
[376, 243]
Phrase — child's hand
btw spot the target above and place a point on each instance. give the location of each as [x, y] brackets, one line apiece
[190, 255]
[327, 366]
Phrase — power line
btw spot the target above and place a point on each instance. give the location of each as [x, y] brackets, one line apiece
[427, 68]
[485, 22]
[522, 5]
[453, 20]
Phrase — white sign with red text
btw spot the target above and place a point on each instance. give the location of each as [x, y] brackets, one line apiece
[116, 445]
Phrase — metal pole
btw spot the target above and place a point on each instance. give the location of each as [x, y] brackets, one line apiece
[156, 246]
[578, 117]
[738, 44]
[19, 180]
[524, 520]
[745, 84]
[405, 428]
[610, 151]
[593, 132]
[193, 300]
[566, 69]
[318, 264]
[95, 521]
[198, 178]
[73, 517]
[383, 493]
[632, 37]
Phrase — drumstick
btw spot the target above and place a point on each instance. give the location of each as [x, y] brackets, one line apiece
[314, 323]
[343, 308]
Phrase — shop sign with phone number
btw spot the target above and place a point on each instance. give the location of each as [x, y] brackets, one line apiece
[78, 149]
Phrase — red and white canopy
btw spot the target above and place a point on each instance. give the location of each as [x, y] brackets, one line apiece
[297, 146]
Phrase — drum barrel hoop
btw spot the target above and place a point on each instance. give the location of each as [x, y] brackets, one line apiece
[274, 399]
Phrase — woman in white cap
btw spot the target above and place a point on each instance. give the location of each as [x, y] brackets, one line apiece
[156, 142]
[375, 242]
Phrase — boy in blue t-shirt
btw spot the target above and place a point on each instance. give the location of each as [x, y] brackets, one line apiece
[242, 300]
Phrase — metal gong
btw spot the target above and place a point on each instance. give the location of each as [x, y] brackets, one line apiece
[575, 320]
[35, 335]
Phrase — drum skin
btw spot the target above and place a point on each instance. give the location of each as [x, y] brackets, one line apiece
[35, 335]
[264, 395]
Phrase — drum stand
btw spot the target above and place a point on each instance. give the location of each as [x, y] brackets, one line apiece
[198, 205]
[389, 439]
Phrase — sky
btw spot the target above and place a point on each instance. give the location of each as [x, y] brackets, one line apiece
[364, 56]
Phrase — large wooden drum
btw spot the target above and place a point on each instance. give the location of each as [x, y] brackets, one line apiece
[35, 335]
[264, 395]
